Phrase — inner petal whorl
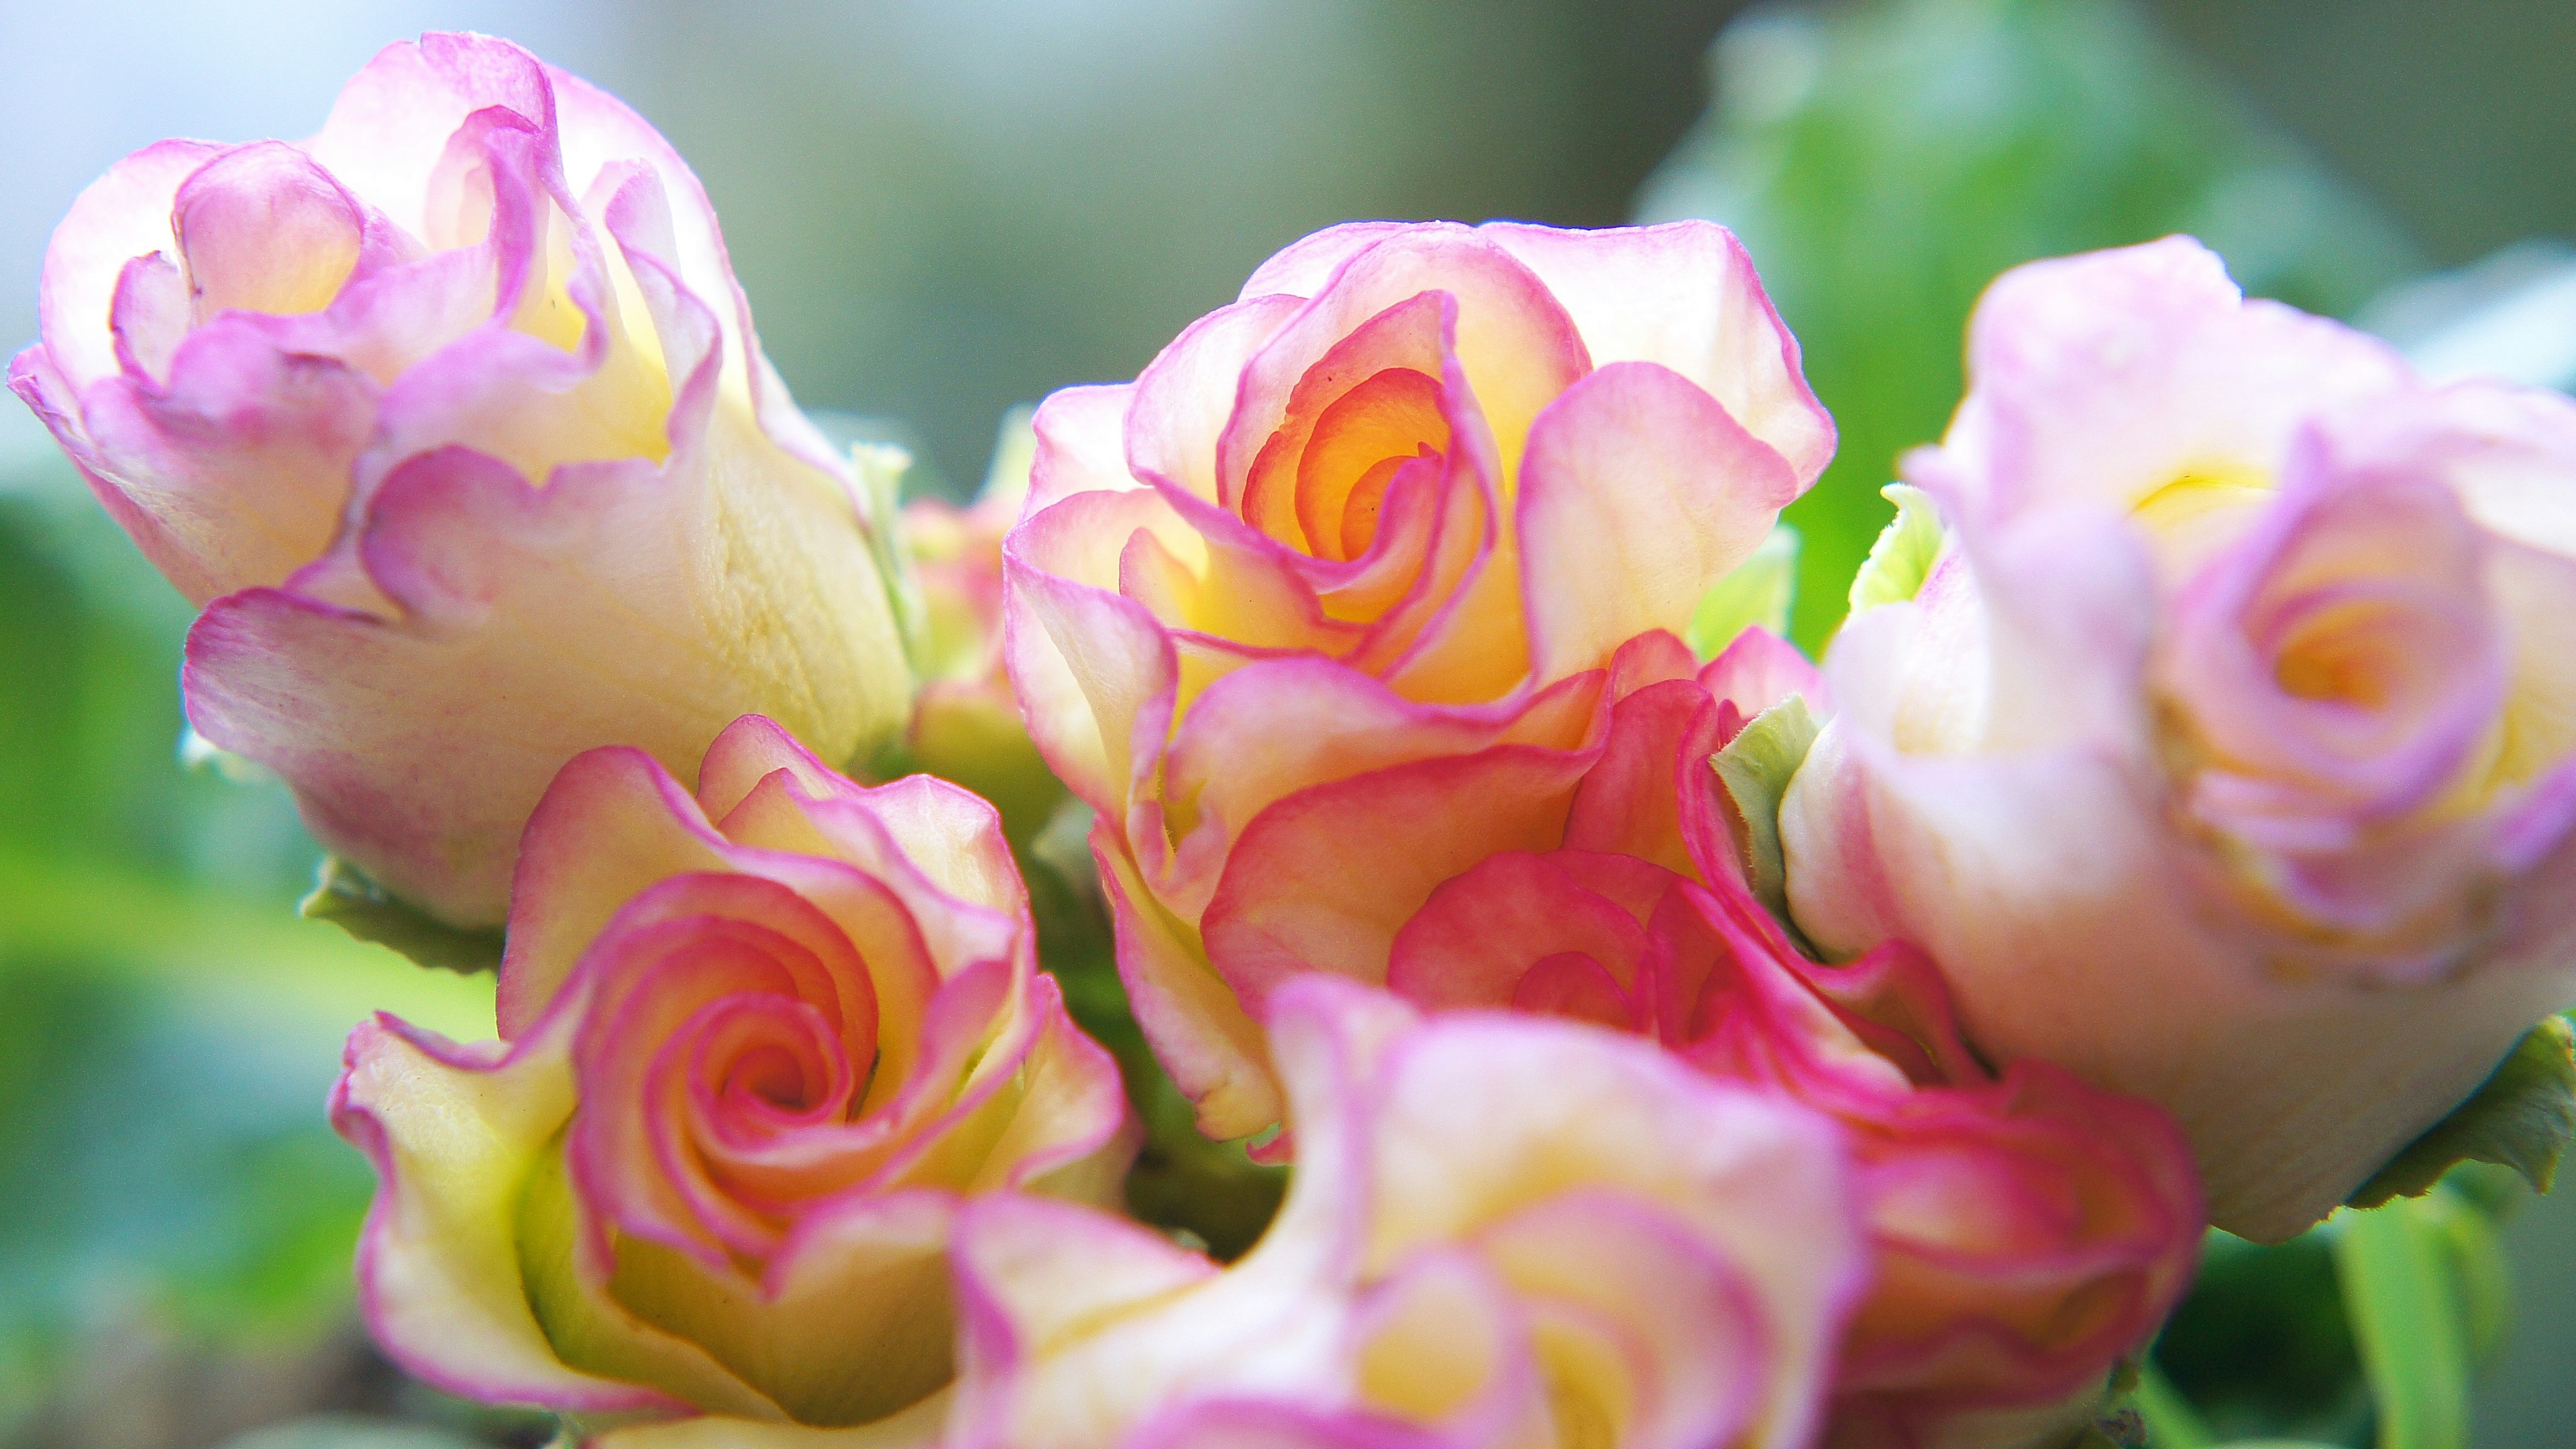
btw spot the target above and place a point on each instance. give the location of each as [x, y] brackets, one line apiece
[760, 1063]
[1388, 420]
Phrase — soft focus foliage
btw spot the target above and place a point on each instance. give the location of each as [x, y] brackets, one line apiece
[1885, 161]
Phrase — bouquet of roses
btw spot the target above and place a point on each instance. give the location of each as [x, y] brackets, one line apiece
[1422, 962]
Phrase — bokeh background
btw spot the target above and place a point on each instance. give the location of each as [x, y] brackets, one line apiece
[941, 208]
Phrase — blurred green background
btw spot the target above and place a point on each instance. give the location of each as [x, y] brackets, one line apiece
[944, 207]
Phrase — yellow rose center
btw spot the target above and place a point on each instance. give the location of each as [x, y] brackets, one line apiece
[2199, 511]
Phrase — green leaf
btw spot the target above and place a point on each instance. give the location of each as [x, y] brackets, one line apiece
[1756, 591]
[1903, 554]
[2478, 1268]
[2172, 1423]
[2262, 1346]
[2398, 1288]
[350, 1431]
[2522, 1118]
[1755, 769]
[344, 896]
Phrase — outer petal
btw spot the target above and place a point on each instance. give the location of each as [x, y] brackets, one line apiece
[122, 215]
[1684, 295]
[390, 126]
[1638, 493]
[240, 459]
[680, 635]
[1078, 1325]
[1198, 1028]
[1478, 933]
[1088, 666]
[1301, 268]
[1081, 437]
[1759, 670]
[2111, 375]
[1322, 880]
[850, 1323]
[455, 1136]
[1273, 727]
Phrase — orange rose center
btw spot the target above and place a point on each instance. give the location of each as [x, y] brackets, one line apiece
[1360, 443]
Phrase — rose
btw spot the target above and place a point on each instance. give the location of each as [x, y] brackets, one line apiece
[454, 418]
[1992, 1298]
[1502, 1230]
[756, 1048]
[2024, 1231]
[2223, 756]
[965, 724]
[1401, 503]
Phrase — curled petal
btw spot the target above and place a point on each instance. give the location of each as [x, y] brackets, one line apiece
[1684, 295]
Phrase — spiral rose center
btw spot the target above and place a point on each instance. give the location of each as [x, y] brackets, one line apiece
[760, 1059]
[1361, 443]
[2338, 657]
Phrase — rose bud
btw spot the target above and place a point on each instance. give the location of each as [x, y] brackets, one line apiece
[2226, 754]
[453, 418]
[758, 1046]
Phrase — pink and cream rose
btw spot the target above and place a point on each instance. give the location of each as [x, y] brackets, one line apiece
[2025, 1229]
[760, 1044]
[1399, 505]
[453, 419]
[1503, 1230]
[2227, 753]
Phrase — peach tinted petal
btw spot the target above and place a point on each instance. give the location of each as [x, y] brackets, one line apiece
[1516, 347]
[1478, 934]
[1684, 295]
[1638, 494]
[1323, 880]
[1184, 397]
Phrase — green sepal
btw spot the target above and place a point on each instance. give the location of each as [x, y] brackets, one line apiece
[1903, 555]
[1756, 591]
[2522, 1118]
[879, 469]
[343, 895]
[1755, 769]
